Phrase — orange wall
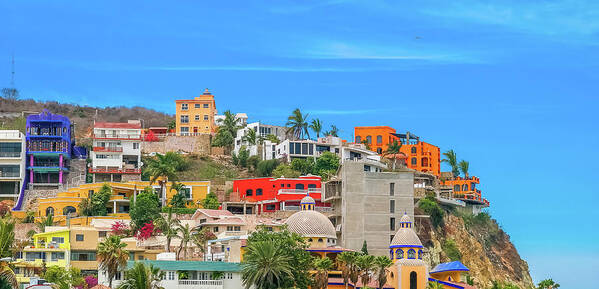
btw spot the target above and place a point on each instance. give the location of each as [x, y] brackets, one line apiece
[200, 125]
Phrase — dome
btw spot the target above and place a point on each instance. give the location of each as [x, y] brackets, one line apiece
[311, 223]
[307, 200]
[405, 236]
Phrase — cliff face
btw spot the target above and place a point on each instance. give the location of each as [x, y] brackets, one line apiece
[480, 244]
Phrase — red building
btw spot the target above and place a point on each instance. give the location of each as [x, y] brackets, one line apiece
[278, 194]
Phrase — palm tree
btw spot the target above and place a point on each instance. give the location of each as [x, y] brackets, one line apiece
[265, 266]
[451, 159]
[168, 226]
[186, 235]
[164, 166]
[112, 256]
[321, 277]
[8, 279]
[7, 237]
[393, 149]
[251, 137]
[463, 165]
[316, 126]
[142, 277]
[230, 123]
[435, 285]
[333, 132]
[381, 263]
[365, 265]
[297, 124]
[45, 221]
[347, 264]
[201, 238]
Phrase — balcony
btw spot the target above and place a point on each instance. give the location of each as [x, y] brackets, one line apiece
[298, 191]
[10, 154]
[118, 136]
[113, 171]
[201, 284]
[108, 149]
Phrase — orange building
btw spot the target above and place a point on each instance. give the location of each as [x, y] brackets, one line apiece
[465, 189]
[421, 156]
[196, 115]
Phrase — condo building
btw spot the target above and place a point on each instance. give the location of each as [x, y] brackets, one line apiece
[262, 147]
[116, 152]
[196, 116]
[12, 164]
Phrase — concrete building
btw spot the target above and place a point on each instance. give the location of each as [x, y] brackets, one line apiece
[240, 118]
[368, 203]
[12, 164]
[196, 116]
[261, 131]
[116, 153]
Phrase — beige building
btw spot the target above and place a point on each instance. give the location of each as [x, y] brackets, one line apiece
[196, 116]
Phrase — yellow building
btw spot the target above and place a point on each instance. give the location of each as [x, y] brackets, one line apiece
[450, 275]
[409, 271]
[67, 203]
[196, 115]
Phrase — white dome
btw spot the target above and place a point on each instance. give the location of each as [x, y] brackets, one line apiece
[405, 236]
[311, 224]
[307, 200]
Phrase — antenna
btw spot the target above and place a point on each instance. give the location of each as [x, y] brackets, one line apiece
[11, 92]
[12, 72]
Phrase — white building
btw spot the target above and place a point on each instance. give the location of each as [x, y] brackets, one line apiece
[12, 163]
[187, 274]
[116, 153]
[262, 131]
[241, 119]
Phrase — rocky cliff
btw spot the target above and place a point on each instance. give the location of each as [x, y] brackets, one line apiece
[479, 243]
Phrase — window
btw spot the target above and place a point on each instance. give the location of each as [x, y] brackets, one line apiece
[424, 162]
[186, 192]
[319, 240]
[83, 256]
[215, 229]
[205, 117]
[392, 189]
[49, 211]
[420, 254]
[392, 224]
[465, 188]
[55, 256]
[414, 161]
[399, 254]
[311, 186]
[68, 210]
[233, 228]
[58, 240]
[258, 192]
[271, 207]
[369, 139]
[184, 106]
[379, 139]
[102, 234]
[79, 237]
[197, 117]
[140, 257]
[305, 148]
[358, 139]
[472, 186]
[414, 150]
[206, 105]
[197, 105]
[117, 276]
[135, 145]
[249, 193]
[411, 254]
[171, 275]
[379, 150]
[456, 188]
[229, 275]
[413, 280]
[184, 130]
[299, 186]
[185, 119]
[392, 206]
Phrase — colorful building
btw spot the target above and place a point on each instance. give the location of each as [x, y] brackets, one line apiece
[196, 116]
[12, 164]
[406, 251]
[116, 152]
[464, 189]
[450, 275]
[420, 156]
[271, 195]
[49, 141]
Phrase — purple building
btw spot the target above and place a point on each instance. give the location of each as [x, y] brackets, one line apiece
[49, 141]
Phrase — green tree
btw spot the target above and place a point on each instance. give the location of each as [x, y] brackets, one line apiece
[251, 137]
[366, 266]
[112, 256]
[141, 276]
[165, 167]
[144, 209]
[179, 200]
[284, 170]
[168, 226]
[393, 149]
[252, 162]
[242, 157]
[464, 165]
[366, 144]
[451, 159]
[171, 124]
[297, 124]
[316, 126]
[347, 263]
[276, 260]
[321, 276]
[45, 221]
[333, 132]
[272, 138]
[381, 264]
[326, 165]
[224, 139]
[435, 285]
[547, 284]
[211, 201]
[62, 278]
[185, 234]
[451, 250]
[265, 168]
[304, 166]
[364, 248]
[7, 236]
[201, 238]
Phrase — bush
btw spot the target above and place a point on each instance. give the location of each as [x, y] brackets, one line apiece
[451, 250]
[211, 201]
[252, 162]
[265, 168]
[145, 209]
[304, 166]
[429, 205]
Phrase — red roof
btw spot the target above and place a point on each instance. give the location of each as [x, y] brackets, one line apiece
[117, 125]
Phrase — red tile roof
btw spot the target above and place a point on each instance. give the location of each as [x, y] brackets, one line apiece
[117, 125]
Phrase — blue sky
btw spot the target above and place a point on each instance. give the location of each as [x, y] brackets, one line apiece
[511, 86]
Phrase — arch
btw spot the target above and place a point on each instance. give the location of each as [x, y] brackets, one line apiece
[369, 139]
[413, 150]
[358, 139]
[413, 280]
[472, 186]
[424, 162]
[249, 193]
[420, 254]
[414, 161]
[465, 187]
[456, 188]
[379, 139]
[299, 186]
[320, 240]
[391, 254]
[411, 254]
[258, 192]
[399, 254]
[49, 211]
[68, 209]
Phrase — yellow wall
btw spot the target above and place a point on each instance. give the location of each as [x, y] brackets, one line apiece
[200, 125]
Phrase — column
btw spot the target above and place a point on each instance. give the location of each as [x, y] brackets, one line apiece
[60, 169]
[114, 208]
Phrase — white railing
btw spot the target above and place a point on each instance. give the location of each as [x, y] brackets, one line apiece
[297, 208]
[299, 191]
[10, 134]
[202, 283]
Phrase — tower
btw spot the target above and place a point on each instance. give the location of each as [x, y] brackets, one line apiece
[409, 271]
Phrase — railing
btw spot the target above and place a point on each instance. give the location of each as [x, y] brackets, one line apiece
[366, 160]
[118, 136]
[114, 171]
[299, 191]
[10, 154]
[201, 282]
[9, 174]
[108, 149]
[297, 208]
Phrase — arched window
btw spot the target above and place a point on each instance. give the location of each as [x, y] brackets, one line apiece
[391, 254]
[413, 280]
[358, 139]
[399, 253]
[299, 186]
[420, 254]
[379, 139]
[369, 139]
[465, 188]
[49, 211]
[414, 150]
[319, 240]
[258, 192]
[68, 209]
[472, 186]
[424, 162]
[411, 254]
[379, 150]
[249, 193]
[414, 161]
[456, 188]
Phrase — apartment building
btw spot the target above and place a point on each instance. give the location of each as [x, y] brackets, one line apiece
[367, 204]
[420, 156]
[220, 222]
[49, 139]
[262, 131]
[12, 164]
[196, 116]
[116, 152]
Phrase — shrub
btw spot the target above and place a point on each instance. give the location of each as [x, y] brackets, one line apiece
[119, 228]
[451, 250]
[265, 168]
[430, 206]
[211, 201]
[145, 209]
[284, 170]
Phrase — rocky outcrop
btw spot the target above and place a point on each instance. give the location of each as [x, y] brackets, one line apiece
[484, 247]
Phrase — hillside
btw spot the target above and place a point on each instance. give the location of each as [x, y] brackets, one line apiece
[81, 116]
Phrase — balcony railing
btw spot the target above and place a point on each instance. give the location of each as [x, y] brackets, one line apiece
[299, 191]
[114, 171]
[118, 136]
[10, 154]
[202, 283]
[108, 149]
[9, 174]
[318, 209]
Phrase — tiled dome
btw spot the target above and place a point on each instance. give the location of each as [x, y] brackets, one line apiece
[307, 200]
[311, 224]
[406, 236]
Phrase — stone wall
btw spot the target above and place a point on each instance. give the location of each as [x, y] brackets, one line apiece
[199, 144]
